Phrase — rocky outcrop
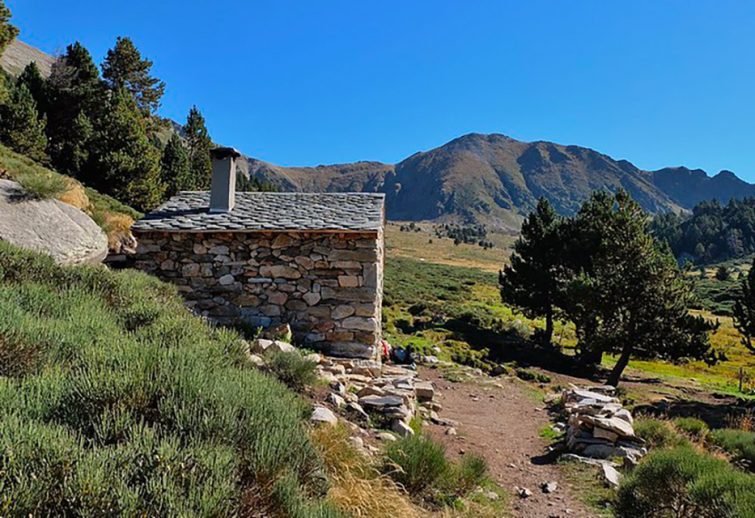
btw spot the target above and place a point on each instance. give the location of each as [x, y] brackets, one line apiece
[49, 226]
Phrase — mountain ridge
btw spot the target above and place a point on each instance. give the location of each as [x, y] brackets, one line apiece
[480, 178]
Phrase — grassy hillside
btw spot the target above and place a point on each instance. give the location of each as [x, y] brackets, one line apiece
[459, 310]
[114, 217]
[115, 400]
[424, 245]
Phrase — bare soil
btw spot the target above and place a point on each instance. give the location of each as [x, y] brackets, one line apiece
[501, 422]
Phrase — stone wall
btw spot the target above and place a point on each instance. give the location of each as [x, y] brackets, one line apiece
[328, 286]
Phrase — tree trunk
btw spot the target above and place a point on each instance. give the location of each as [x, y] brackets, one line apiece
[615, 376]
[548, 337]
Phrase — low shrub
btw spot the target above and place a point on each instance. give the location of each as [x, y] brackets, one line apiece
[657, 433]
[738, 443]
[118, 401]
[417, 463]
[692, 427]
[293, 369]
[466, 475]
[682, 482]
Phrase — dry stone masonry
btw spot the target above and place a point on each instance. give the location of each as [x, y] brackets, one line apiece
[327, 287]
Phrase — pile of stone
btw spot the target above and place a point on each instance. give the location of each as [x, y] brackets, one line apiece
[374, 394]
[599, 426]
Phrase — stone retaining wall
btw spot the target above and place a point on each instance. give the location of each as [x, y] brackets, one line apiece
[328, 286]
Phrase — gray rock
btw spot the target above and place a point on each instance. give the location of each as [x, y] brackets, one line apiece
[611, 475]
[381, 401]
[401, 428]
[322, 414]
[386, 436]
[355, 411]
[50, 227]
[336, 400]
[549, 487]
[264, 346]
[424, 391]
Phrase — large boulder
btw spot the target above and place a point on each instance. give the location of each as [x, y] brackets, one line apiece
[49, 226]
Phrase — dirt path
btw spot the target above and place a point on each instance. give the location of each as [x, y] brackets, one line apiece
[502, 423]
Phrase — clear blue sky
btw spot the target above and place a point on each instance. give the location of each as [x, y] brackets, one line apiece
[304, 83]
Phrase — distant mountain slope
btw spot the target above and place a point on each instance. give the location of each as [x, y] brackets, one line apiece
[688, 187]
[491, 179]
[496, 179]
[19, 54]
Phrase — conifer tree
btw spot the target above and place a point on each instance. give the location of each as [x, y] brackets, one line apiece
[744, 309]
[124, 67]
[20, 129]
[530, 281]
[198, 145]
[123, 162]
[33, 80]
[76, 98]
[7, 31]
[174, 166]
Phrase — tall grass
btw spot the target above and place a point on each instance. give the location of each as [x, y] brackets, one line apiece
[115, 400]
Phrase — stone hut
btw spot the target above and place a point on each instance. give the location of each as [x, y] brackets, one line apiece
[313, 260]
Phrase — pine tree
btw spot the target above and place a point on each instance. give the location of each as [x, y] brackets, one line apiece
[20, 129]
[33, 80]
[174, 166]
[198, 144]
[76, 98]
[8, 32]
[123, 162]
[124, 67]
[744, 309]
[530, 281]
[626, 294]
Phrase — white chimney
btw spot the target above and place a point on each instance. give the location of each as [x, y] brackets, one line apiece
[223, 187]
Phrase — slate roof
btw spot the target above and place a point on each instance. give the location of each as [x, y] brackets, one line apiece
[260, 211]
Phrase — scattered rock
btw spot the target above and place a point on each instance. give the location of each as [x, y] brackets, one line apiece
[386, 436]
[611, 475]
[265, 346]
[549, 487]
[523, 492]
[451, 431]
[322, 414]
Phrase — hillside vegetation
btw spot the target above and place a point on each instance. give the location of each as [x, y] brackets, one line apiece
[712, 233]
[114, 217]
[116, 400]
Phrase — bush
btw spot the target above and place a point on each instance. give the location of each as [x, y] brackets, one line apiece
[528, 375]
[739, 443]
[657, 433]
[123, 403]
[417, 463]
[682, 482]
[293, 369]
[692, 427]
